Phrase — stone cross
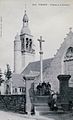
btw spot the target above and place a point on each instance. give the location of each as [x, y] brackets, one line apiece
[41, 58]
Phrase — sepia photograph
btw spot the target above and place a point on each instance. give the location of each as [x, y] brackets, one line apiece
[36, 60]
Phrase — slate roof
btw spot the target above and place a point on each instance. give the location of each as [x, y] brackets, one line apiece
[17, 80]
[32, 68]
[35, 66]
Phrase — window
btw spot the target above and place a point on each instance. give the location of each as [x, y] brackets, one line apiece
[20, 89]
[15, 90]
[30, 45]
[69, 52]
[23, 90]
[22, 43]
[27, 42]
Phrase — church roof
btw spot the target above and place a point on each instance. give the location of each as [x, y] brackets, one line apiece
[25, 30]
[35, 66]
[17, 37]
[32, 69]
[17, 80]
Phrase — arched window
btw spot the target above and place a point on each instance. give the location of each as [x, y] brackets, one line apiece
[69, 52]
[30, 44]
[22, 44]
[27, 42]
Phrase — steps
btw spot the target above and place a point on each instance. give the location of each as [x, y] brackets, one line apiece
[41, 109]
[41, 104]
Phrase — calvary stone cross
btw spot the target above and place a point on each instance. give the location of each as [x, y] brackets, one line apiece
[41, 58]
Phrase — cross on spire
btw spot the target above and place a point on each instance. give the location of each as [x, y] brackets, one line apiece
[25, 8]
[25, 11]
[70, 29]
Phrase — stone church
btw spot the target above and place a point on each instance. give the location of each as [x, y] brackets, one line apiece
[29, 69]
[61, 63]
[25, 65]
[24, 54]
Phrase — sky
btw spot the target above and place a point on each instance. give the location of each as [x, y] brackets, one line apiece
[50, 19]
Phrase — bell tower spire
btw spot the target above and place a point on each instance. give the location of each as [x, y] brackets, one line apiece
[26, 38]
[25, 20]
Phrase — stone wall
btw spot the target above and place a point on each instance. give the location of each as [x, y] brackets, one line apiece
[15, 103]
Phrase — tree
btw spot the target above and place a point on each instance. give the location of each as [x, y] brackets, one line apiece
[1, 80]
[8, 75]
[8, 72]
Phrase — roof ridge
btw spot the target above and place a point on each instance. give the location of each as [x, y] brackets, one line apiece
[43, 60]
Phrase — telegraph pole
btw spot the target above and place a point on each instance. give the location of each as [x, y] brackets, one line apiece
[41, 58]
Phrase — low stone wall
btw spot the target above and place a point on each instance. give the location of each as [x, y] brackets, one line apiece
[15, 103]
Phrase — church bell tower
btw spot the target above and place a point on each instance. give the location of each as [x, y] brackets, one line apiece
[27, 51]
[23, 47]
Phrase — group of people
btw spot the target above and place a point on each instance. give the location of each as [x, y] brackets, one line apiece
[43, 88]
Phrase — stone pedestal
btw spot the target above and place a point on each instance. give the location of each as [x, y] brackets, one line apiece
[29, 84]
[28, 100]
[63, 87]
